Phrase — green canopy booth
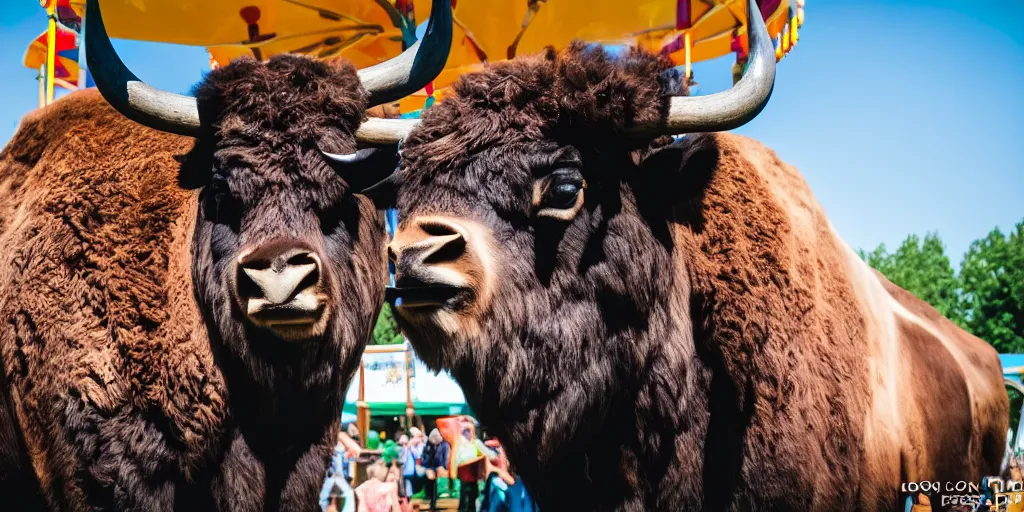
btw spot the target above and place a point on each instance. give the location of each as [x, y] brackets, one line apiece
[393, 382]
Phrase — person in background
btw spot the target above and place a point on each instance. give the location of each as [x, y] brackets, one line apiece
[376, 494]
[471, 459]
[495, 493]
[353, 432]
[435, 461]
[412, 454]
[401, 447]
[504, 492]
[519, 499]
[336, 474]
[395, 477]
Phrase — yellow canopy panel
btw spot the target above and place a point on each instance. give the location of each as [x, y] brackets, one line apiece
[365, 31]
[494, 30]
[489, 28]
[235, 27]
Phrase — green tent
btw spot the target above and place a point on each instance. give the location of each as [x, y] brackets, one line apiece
[422, 408]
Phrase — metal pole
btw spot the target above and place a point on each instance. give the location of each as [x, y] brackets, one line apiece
[409, 411]
[686, 39]
[362, 408]
[42, 86]
[51, 46]
[83, 67]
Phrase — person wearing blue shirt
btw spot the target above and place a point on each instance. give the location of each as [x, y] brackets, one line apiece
[434, 458]
[411, 458]
[337, 475]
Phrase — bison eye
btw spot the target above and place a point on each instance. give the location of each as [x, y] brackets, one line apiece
[562, 195]
[559, 195]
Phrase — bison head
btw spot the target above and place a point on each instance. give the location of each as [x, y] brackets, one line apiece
[287, 253]
[532, 256]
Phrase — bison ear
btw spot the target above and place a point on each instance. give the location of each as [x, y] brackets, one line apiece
[367, 169]
[682, 169]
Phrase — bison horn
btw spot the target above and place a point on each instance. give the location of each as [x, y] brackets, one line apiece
[132, 97]
[176, 113]
[415, 67]
[366, 167]
[379, 131]
[728, 109]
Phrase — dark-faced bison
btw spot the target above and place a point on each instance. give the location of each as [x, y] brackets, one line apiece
[669, 326]
[182, 316]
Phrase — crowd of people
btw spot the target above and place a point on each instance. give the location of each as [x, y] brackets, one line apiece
[418, 462]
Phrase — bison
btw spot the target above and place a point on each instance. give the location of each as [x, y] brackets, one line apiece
[650, 324]
[183, 311]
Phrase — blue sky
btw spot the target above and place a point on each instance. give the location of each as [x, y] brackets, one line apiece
[904, 116]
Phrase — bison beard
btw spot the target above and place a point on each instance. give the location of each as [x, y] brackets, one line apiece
[696, 336]
[133, 381]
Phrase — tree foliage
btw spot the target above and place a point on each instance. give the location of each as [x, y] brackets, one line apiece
[986, 296]
[992, 277]
[386, 331]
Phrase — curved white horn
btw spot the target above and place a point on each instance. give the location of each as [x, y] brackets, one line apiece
[415, 67]
[132, 97]
[728, 109]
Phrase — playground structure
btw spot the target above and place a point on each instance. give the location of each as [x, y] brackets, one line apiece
[367, 32]
[393, 382]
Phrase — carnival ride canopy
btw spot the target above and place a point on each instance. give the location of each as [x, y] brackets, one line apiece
[66, 60]
[66, 73]
[370, 31]
[490, 31]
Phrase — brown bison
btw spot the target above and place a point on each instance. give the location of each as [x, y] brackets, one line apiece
[669, 326]
[182, 316]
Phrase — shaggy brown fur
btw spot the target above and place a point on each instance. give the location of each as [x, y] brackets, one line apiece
[696, 336]
[134, 380]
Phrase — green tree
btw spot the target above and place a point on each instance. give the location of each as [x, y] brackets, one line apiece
[386, 332]
[921, 267]
[992, 274]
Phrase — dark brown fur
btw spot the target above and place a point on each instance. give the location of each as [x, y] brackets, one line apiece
[697, 336]
[134, 382]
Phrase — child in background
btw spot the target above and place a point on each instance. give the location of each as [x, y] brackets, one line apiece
[344, 450]
[471, 458]
[376, 494]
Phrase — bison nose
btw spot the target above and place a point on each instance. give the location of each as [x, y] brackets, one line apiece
[427, 242]
[277, 273]
[440, 262]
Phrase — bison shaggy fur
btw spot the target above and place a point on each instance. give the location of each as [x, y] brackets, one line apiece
[131, 381]
[696, 335]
